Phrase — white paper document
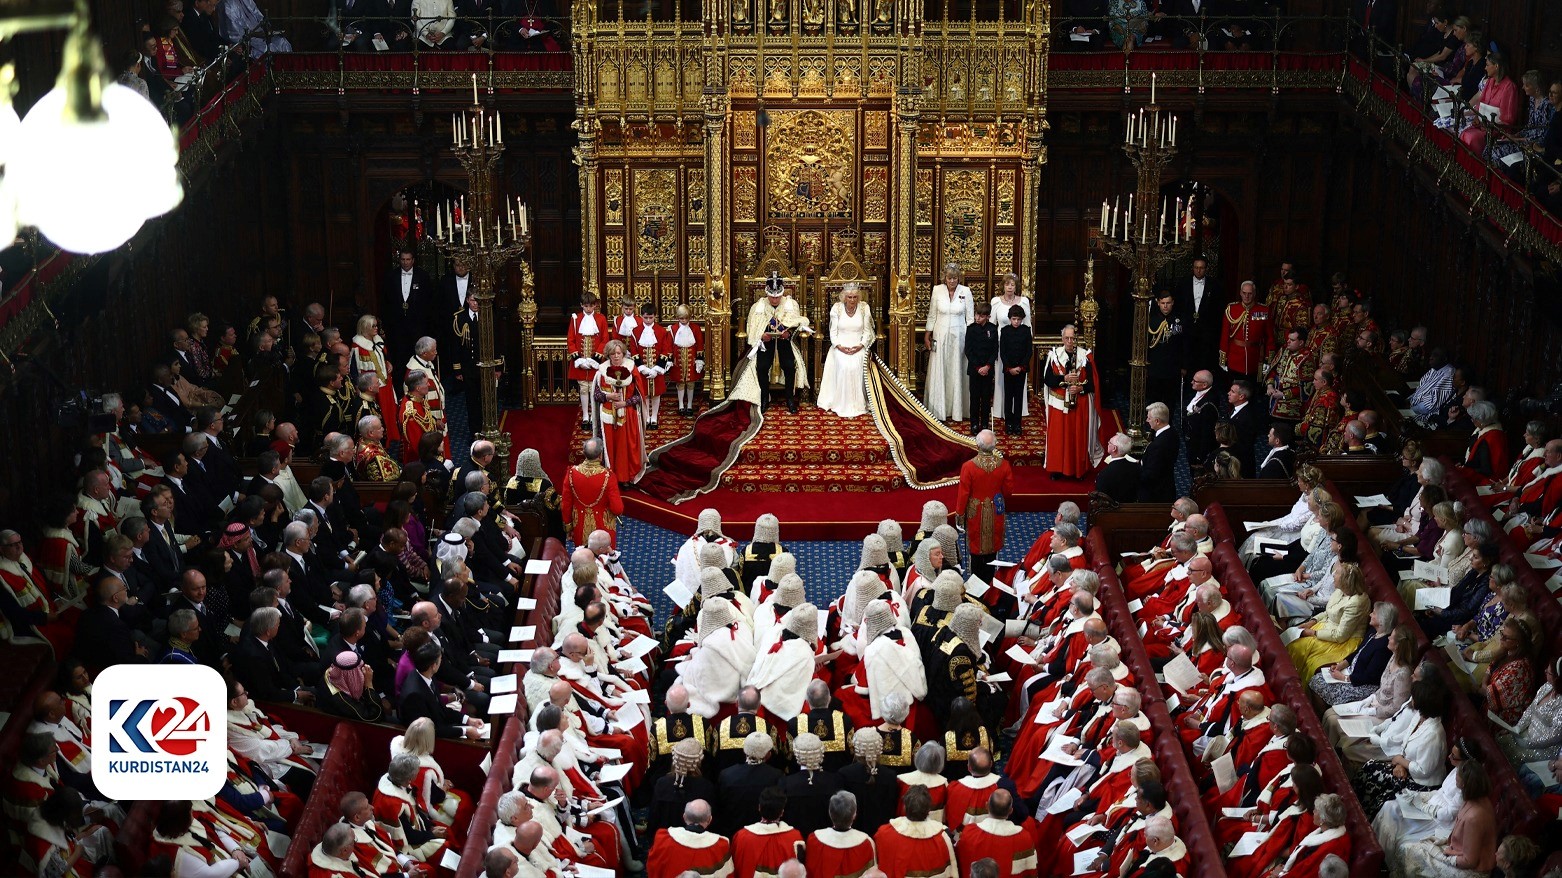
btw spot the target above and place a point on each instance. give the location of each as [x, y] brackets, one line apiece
[1000, 677]
[1055, 754]
[1499, 722]
[1350, 708]
[1083, 831]
[1457, 657]
[1066, 801]
[1237, 813]
[1541, 770]
[1083, 860]
[503, 683]
[1255, 525]
[1001, 564]
[1290, 634]
[487, 763]
[975, 587]
[614, 773]
[582, 871]
[538, 567]
[1555, 582]
[1429, 598]
[1490, 112]
[1181, 674]
[451, 860]
[611, 754]
[1372, 500]
[1135, 605]
[1357, 726]
[1542, 562]
[502, 705]
[526, 603]
[1248, 843]
[679, 593]
[635, 696]
[514, 655]
[519, 633]
[628, 717]
[1430, 572]
[1225, 772]
[1019, 654]
[631, 666]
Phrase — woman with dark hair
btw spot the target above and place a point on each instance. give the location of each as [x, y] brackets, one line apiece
[60, 840]
[189, 845]
[398, 513]
[1433, 811]
[963, 733]
[1285, 826]
[1275, 796]
[74, 682]
[1499, 94]
[1510, 685]
[431, 453]
[1413, 743]
[1470, 849]
[1467, 596]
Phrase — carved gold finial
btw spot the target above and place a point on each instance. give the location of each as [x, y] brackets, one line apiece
[1089, 309]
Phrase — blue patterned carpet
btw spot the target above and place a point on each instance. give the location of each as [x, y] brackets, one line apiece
[825, 567]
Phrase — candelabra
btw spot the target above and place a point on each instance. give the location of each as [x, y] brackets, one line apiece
[486, 235]
[1136, 238]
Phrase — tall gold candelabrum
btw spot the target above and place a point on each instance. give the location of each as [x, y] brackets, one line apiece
[1144, 235]
[487, 231]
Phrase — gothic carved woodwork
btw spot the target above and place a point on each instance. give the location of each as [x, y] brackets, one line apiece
[875, 194]
[655, 193]
[810, 164]
[613, 199]
[744, 130]
[696, 197]
[924, 196]
[745, 194]
[1005, 197]
[613, 252]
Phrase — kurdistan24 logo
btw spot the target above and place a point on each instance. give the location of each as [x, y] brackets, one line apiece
[170, 726]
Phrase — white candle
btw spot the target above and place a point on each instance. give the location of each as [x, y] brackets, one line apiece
[480, 242]
[1128, 219]
[499, 127]
[1111, 231]
[1144, 229]
[474, 89]
[439, 224]
[1152, 89]
[525, 222]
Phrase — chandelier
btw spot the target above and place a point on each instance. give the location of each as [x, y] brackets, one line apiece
[93, 160]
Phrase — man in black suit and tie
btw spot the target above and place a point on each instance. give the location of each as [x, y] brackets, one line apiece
[164, 549]
[260, 668]
[193, 508]
[404, 306]
[418, 698]
[223, 473]
[119, 559]
[166, 401]
[1199, 418]
[200, 29]
[104, 634]
[460, 666]
[1119, 479]
[1201, 303]
[1280, 462]
[1158, 468]
[1248, 419]
[208, 648]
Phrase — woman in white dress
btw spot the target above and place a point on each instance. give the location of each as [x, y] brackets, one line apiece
[1416, 816]
[851, 337]
[1009, 285]
[949, 313]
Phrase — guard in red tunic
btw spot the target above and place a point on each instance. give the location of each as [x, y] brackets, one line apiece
[588, 333]
[589, 498]
[1247, 335]
[1073, 446]
[652, 347]
[984, 480]
[417, 418]
[688, 359]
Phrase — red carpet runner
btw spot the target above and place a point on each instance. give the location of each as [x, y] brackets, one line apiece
[926, 452]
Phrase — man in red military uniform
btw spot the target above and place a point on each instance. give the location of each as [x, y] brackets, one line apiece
[984, 480]
[1247, 334]
[1290, 302]
[590, 499]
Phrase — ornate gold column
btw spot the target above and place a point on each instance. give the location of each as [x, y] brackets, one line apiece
[526, 311]
[903, 292]
[590, 132]
[1030, 181]
[718, 247]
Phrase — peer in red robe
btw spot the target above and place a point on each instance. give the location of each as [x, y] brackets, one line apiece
[678, 849]
[1487, 459]
[1312, 848]
[909, 846]
[984, 481]
[1073, 422]
[835, 853]
[967, 799]
[759, 849]
[620, 394]
[1009, 844]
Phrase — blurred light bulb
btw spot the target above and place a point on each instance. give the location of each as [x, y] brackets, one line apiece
[90, 184]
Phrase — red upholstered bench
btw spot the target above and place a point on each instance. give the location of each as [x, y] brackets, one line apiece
[1182, 791]
[342, 772]
[1290, 689]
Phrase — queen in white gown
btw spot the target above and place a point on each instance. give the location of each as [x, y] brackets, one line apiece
[1009, 287]
[851, 337]
[949, 313]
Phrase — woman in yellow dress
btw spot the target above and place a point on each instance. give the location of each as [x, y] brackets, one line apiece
[1336, 632]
